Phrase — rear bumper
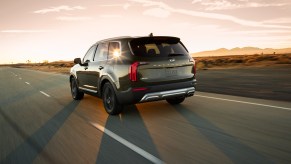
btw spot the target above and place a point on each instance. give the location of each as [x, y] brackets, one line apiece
[185, 92]
[157, 92]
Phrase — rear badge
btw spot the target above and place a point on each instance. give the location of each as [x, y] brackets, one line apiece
[172, 60]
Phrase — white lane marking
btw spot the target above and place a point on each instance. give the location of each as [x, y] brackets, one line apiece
[45, 93]
[20, 78]
[15, 75]
[244, 102]
[128, 144]
[27, 83]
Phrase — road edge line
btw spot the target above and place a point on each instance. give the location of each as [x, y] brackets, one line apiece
[45, 94]
[244, 102]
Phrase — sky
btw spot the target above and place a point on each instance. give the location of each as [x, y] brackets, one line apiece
[53, 30]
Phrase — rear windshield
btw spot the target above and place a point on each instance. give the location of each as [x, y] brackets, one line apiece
[157, 47]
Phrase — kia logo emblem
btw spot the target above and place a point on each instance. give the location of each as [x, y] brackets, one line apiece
[172, 60]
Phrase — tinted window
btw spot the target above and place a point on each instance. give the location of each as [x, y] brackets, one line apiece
[114, 49]
[90, 54]
[101, 52]
[157, 47]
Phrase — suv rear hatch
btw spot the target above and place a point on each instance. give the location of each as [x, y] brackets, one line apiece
[160, 59]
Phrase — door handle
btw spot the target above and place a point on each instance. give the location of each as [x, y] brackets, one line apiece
[86, 68]
[101, 67]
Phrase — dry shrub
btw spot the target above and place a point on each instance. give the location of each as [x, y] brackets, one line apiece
[266, 58]
[61, 65]
[219, 61]
[200, 65]
[236, 61]
[251, 60]
[283, 60]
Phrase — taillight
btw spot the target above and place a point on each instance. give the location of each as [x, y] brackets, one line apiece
[194, 65]
[194, 68]
[133, 71]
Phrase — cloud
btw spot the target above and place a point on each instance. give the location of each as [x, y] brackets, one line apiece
[58, 9]
[157, 12]
[259, 32]
[279, 21]
[217, 16]
[196, 1]
[72, 18]
[125, 6]
[110, 16]
[24, 31]
[229, 5]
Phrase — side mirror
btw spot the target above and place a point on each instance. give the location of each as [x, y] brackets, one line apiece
[77, 61]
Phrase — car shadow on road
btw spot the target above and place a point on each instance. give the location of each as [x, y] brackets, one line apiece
[131, 127]
[234, 149]
[34, 144]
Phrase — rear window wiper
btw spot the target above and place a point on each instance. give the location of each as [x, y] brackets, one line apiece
[176, 54]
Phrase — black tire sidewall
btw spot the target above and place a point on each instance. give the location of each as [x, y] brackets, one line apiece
[116, 109]
[78, 95]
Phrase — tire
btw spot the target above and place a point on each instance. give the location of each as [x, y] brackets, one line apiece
[175, 100]
[110, 101]
[76, 94]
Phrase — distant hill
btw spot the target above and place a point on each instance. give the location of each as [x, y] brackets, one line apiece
[241, 51]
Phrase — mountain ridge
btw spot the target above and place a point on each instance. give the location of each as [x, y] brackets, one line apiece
[241, 51]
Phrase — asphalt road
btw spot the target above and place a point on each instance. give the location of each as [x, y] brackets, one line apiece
[41, 123]
[270, 82]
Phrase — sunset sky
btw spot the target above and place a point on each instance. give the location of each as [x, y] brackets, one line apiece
[53, 30]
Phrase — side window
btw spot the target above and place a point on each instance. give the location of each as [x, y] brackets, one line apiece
[114, 50]
[89, 55]
[101, 52]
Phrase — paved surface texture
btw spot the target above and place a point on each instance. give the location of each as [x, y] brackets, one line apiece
[40, 123]
[272, 83]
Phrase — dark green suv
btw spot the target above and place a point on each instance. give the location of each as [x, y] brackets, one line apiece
[129, 70]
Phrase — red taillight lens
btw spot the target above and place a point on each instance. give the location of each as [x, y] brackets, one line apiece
[133, 71]
[194, 65]
[194, 68]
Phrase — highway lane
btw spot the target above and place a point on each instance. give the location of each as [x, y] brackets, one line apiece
[40, 123]
[270, 82]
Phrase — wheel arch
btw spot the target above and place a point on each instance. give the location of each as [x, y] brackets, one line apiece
[105, 79]
[72, 76]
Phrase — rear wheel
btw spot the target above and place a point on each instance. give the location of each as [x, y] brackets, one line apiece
[76, 94]
[175, 100]
[110, 102]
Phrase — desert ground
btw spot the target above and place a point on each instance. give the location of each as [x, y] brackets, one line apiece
[243, 61]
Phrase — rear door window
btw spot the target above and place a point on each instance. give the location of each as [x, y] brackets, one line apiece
[157, 47]
[114, 50]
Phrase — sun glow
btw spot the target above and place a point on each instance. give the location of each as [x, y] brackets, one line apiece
[116, 53]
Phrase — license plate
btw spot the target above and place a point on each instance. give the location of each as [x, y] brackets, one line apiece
[171, 72]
